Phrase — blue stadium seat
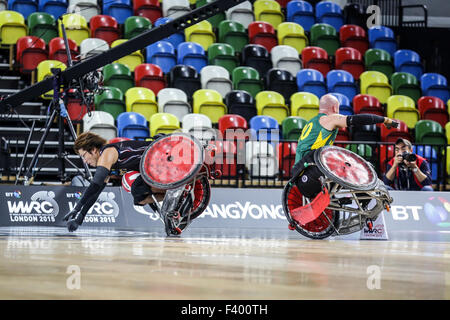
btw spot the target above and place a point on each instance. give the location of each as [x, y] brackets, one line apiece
[162, 53]
[311, 80]
[301, 12]
[176, 38]
[54, 7]
[131, 125]
[341, 81]
[381, 37]
[429, 153]
[24, 7]
[345, 107]
[192, 54]
[330, 13]
[408, 61]
[119, 9]
[435, 85]
[264, 128]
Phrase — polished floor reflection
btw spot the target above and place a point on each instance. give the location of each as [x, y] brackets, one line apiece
[100, 264]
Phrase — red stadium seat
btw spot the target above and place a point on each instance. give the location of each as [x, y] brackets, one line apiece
[364, 103]
[105, 27]
[351, 60]
[433, 108]
[225, 158]
[151, 9]
[262, 33]
[391, 135]
[75, 107]
[386, 154]
[286, 157]
[149, 76]
[232, 122]
[57, 49]
[30, 52]
[343, 135]
[316, 58]
[118, 139]
[355, 37]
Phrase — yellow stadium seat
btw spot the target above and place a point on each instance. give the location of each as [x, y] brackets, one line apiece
[163, 123]
[76, 27]
[447, 133]
[448, 106]
[132, 60]
[292, 34]
[376, 84]
[141, 100]
[44, 71]
[12, 27]
[403, 108]
[268, 11]
[305, 105]
[271, 103]
[448, 164]
[201, 33]
[209, 102]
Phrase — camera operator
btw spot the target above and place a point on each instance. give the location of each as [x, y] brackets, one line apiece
[406, 170]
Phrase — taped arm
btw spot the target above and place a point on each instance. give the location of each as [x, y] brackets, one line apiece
[93, 191]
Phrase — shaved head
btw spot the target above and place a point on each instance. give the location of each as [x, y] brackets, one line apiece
[328, 104]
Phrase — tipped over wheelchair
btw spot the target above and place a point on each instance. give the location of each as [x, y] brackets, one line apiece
[349, 193]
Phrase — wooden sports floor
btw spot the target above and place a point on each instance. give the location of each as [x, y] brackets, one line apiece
[49, 263]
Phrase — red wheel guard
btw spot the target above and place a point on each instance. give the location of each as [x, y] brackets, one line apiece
[312, 210]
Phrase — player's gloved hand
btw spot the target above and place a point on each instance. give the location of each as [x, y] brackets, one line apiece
[75, 222]
[71, 214]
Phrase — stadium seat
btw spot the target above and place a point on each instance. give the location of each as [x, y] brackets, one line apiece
[175, 8]
[141, 100]
[247, 79]
[118, 75]
[447, 132]
[281, 81]
[91, 46]
[86, 8]
[286, 152]
[209, 102]
[30, 51]
[264, 128]
[257, 57]
[325, 36]
[310, 80]
[345, 107]
[363, 150]
[105, 27]
[163, 123]
[192, 54]
[242, 13]
[54, 7]
[433, 108]
[355, 37]
[176, 38]
[342, 135]
[305, 105]
[365, 133]
[42, 25]
[286, 57]
[430, 153]
[402, 108]
[241, 103]
[111, 100]
[135, 26]
[222, 54]
[292, 34]
[381, 37]
[24, 7]
[301, 12]
[292, 127]
[408, 61]
[376, 84]
[198, 125]
[435, 84]
[132, 125]
[216, 78]
[131, 60]
[316, 58]
[391, 135]
[379, 60]
[76, 108]
[341, 81]
[174, 101]
[226, 158]
[201, 33]
[330, 13]
[268, 11]
[101, 123]
[430, 132]
[364, 103]
[12, 27]
[233, 126]
[149, 76]
[151, 9]
[119, 9]
[271, 103]
[57, 50]
[44, 71]
[262, 33]
[185, 78]
[260, 159]
[350, 60]
[214, 20]
[76, 27]
[386, 154]
[234, 34]
[162, 53]
[406, 84]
